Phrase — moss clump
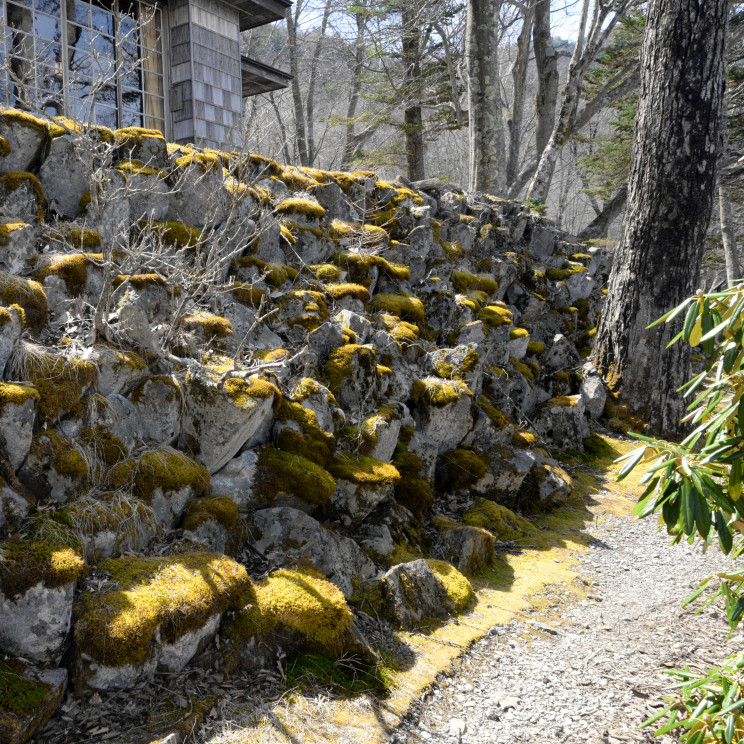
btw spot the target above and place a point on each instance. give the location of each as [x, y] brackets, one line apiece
[341, 361]
[339, 291]
[80, 237]
[247, 294]
[459, 469]
[174, 232]
[24, 119]
[369, 235]
[19, 696]
[559, 275]
[244, 393]
[403, 332]
[288, 473]
[453, 251]
[60, 382]
[438, 393]
[212, 326]
[16, 394]
[8, 229]
[138, 168]
[502, 522]
[60, 454]
[516, 333]
[564, 401]
[310, 441]
[298, 602]
[275, 274]
[404, 306]
[208, 163]
[130, 136]
[363, 470]
[464, 281]
[221, 509]
[535, 347]
[71, 268]
[25, 564]
[29, 295]
[165, 469]
[4, 147]
[139, 281]
[17, 179]
[107, 449]
[500, 419]
[495, 315]
[304, 207]
[158, 598]
[326, 272]
[459, 590]
[457, 372]
[358, 265]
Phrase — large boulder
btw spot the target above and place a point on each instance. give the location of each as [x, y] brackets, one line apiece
[18, 241]
[220, 421]
[18, 405]
[161, 613]
[469, 548]
[562, 423]
[350, 370]
[65, 176]
[36, 591]
[285, 535]
[26, 136]
[159, 401]
[21, 198]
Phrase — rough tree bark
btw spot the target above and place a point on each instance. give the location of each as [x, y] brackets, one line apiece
[670, 196]
[487, 172]
[546, 61]
[600, 225]
[413, 121]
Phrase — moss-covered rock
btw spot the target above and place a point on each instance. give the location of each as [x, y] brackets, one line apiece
[350, 373]
[27, 294]
[503, 523]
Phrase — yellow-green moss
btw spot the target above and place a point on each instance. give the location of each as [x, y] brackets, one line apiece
[405, 306]
[71, 268]
[24, 119]
[80, 237]
[157, 597]
[516, 333]
[165, 469]
[304, 207]
[535, 347]
[495, 315]
[358, 265]
[17, 394]
[279, 472]
[438, 393]
[16, 179]
[311, 441]
[275, 274]
[247, 294]
[564, 401]
[25, 564]
[61, 382]
[459, 469]
[8, 229]
[459, 590]
[502, 522]
[134, 135]
[212, 326]
[340, 364]
[326, 272]
[464, 281]
[524, 439]
[174, 232]
[457, 372]
[138, 281]
[59, 126]
[362, 469]
[403, 332]
[339, 291]
[500, 419]
[221, 509]
[299, 602]
[4, 147]
[19, 696]
[367, 234]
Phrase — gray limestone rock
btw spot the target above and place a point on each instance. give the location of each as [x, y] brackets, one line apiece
[20, 201]
[236, 480]
[26, 139]
[36, 623]
[54, 468]
[562, 423]
[562, 354]
[19, 247]
[594, 393]
[16, 429]
[414, 594]
[11, 328]
[468, 548]
[13, 508]
[64, 176]
[159, 403]
[286, 535]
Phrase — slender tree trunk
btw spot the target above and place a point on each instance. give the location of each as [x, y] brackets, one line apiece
[487, 171]
[413, 120]
[728, 234]
[350, 140]
[311, 152]
[519, 79]
[600, 225]
[670, 195]
[299, 109]
[546, 61]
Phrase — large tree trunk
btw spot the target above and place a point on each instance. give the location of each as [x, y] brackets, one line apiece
[413, 121]
[670, 196]
[487, 172]
[546, 61]
[312, 153]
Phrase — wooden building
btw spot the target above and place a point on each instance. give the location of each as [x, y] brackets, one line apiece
[174, 66]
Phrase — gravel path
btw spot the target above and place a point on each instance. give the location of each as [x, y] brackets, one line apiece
[590, 671]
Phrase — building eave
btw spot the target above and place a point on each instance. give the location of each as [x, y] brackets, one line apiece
[258, 77]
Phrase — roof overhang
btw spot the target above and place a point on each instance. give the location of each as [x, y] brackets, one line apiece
[254, 13]
[260, 78]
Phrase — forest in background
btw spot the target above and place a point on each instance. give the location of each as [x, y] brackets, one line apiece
[384, 86]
